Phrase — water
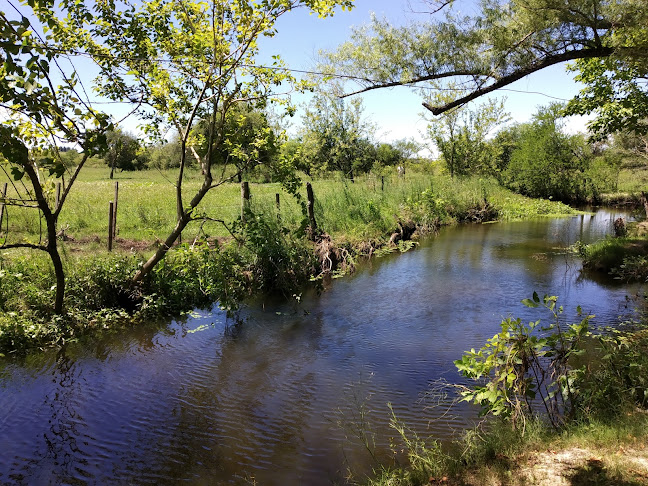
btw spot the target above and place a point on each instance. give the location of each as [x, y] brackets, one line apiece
[297, 394]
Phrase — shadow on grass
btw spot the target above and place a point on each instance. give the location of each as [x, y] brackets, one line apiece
[594, 473]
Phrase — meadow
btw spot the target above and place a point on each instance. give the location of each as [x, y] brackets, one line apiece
[355, 212]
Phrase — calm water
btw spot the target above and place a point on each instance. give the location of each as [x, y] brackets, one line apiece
[293, 395]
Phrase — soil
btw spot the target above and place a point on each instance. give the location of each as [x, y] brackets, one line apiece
[574, 466]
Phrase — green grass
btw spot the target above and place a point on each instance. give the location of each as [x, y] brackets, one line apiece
[353, 211]
[633, 180]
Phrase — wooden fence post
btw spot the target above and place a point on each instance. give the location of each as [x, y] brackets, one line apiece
[114, 228]
[311, 209]
[245, 199]
[278, 204]
[110, 225]
[2, 205]
[382, 183]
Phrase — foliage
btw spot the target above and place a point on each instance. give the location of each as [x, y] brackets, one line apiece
[164, 155]
[460, 135]
[526, 367]
[335, 137]
[498, 45]
[619, 382]
[548, 163]
[124, 152]
[615, 88]
[280, 261]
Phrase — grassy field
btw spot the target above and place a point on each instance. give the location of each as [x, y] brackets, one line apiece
[366, 209]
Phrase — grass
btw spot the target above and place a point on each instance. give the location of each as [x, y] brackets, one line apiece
[610, 453]
[352, 211]
[633, 180]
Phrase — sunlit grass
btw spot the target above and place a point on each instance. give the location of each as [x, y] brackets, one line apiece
[365, 209]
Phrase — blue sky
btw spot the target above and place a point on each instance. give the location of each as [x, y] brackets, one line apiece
[397, 112]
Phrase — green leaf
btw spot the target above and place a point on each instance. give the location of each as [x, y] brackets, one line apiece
[530, 303]
[16, 173]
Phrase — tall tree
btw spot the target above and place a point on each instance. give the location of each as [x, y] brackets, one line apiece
[504, 42]
[547, 162]
[183, 62]
[44, 108]
[460, 134]
[124, 152]
[336, 136]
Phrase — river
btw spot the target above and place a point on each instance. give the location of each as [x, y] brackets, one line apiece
[296, 393]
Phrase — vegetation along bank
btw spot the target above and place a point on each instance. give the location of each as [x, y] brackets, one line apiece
[267, 249]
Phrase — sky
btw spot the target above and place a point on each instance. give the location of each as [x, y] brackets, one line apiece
[397, 112]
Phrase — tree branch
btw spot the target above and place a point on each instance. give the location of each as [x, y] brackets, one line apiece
[393, 84]
[24, 245]
[521, 73]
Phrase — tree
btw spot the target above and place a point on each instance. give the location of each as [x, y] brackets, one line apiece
[124, 152]
[248, 139]
[460, 134]
[397, 152]
[502, 147]
[183, 62]
[336, 137]
[43, 109]
[504, 42]
[547, 162]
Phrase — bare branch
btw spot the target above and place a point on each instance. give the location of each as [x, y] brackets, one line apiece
[23, 245]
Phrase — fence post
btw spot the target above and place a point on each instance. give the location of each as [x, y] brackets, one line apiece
[2, 205]
[382, 183]
[311, 209]
[245, 199]
[114, 228]
[278, 204]
[110, 225]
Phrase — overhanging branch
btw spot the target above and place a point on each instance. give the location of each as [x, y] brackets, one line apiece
[521, 73]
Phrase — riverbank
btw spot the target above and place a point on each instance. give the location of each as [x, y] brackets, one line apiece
[596, 453]
[218, 262]
[599, 436]
[623, 257]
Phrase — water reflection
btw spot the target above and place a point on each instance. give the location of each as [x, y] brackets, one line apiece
[294, 394]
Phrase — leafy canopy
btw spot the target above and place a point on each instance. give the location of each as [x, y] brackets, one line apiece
[502, 43]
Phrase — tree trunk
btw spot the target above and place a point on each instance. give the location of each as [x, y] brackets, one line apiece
[162, 250]
[60, 278]
[52, 250]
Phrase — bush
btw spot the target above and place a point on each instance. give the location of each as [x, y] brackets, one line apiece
[528, 371]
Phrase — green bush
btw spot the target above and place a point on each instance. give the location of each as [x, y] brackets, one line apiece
[555, 372]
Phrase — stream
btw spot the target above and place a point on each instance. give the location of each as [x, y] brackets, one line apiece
[297, 393]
